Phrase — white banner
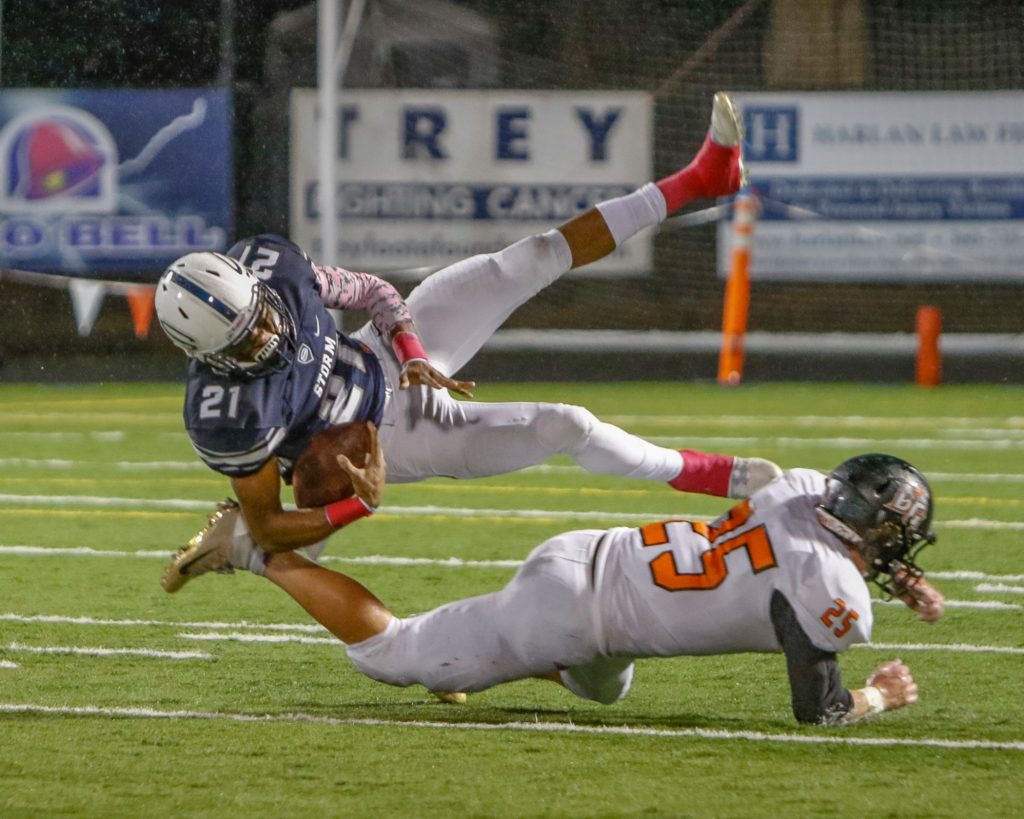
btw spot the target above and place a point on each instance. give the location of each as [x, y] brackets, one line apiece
[429, 177]
[899, 186]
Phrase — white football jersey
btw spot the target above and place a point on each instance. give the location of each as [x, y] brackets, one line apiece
[680, 587]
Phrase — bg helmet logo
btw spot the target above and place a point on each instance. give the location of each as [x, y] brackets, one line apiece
[911, 502]
[57, 159]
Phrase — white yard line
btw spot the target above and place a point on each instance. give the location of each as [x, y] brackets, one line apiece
[103, 416]
[552, 469]
[998, 588]
[293, 638]
[841, 738]
[837, 442]
[96, 501]
[97, 651]
[239, 637]
[959, 648]
[866, 421]
[992, 605]
[107, 436]
[130, 466]
[980, 576]
[11, 617]
[976, 477]
[8, 664]
[106, 502]
[397, 560]
[830, 421]
[983, 523]
[999, 581]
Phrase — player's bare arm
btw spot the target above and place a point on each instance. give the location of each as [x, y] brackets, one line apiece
[274, 528]
[889, 687]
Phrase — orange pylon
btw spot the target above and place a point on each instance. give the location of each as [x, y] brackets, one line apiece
[737, 291]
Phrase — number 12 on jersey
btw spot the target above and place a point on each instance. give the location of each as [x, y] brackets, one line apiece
[665, 573]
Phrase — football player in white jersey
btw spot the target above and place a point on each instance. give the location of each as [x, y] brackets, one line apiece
[785, 571]
[268, 368]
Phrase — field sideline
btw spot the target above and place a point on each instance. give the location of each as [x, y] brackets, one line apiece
[117, 699]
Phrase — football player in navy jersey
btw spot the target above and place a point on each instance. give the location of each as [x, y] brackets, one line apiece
[269, 367]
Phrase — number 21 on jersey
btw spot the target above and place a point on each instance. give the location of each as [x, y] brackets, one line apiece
[665, 573]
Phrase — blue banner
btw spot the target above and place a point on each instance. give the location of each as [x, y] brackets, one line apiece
[101, 181]
[893, 198]
[885, 186]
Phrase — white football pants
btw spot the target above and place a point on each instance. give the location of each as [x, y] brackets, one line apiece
[426, 433]
[545, 618]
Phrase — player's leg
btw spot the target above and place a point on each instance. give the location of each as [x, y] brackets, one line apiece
[458, 308]
[540, 621]
[467, 439]
[343, 606]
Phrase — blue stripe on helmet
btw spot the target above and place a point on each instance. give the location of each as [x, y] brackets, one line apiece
[204, 296]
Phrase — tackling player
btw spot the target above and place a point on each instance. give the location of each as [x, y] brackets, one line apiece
[268, 367]
[783, 571]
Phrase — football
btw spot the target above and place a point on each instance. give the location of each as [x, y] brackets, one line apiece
[317, 480]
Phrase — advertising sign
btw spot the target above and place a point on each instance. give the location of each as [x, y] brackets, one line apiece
[119, 180]
[885, 186]
[425, 178]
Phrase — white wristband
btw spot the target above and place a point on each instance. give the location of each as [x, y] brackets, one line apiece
[875, 700]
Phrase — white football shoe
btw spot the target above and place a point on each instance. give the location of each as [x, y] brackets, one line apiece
[223, 545]
[751, 474]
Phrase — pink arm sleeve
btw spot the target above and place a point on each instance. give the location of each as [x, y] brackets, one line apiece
[342, 289]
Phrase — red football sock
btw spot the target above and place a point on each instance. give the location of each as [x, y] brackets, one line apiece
[715, 171]
[704, 473]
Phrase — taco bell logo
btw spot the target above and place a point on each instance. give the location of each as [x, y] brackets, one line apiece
[57, 159]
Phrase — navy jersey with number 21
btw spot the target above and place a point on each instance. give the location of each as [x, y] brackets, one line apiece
[237, 425]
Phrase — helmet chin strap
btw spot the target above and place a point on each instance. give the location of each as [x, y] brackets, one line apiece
[837, 527]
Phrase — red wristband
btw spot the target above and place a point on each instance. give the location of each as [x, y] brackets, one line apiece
[343, 512]
[407, 346]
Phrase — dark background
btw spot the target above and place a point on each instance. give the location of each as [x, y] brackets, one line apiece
[681, 52]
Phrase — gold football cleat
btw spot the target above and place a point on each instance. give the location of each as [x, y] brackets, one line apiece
[451, 697]
[207, 551]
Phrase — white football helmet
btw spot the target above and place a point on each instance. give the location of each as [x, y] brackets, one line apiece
[220, 313]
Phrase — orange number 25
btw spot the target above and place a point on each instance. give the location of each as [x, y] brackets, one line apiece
[841, 616]
[666, 574]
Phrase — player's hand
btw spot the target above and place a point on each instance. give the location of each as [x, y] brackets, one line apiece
[367, 478]
[921, 596]
[420, 372]
[894, 681]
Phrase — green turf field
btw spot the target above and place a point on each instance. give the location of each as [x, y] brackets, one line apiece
[117, 699]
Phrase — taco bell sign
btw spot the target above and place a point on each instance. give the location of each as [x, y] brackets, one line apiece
[114, 180]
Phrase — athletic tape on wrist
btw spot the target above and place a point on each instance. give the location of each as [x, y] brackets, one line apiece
[407, 346]
[875, 700]
[343, 512]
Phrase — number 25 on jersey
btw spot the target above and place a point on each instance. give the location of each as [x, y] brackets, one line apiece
[665, 573]
[839, 618]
